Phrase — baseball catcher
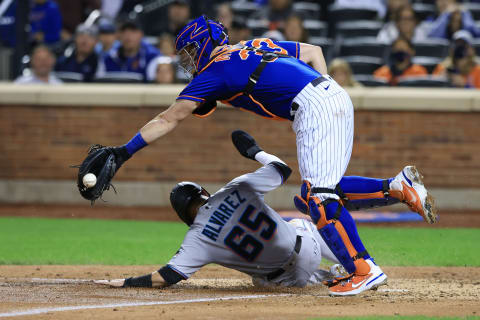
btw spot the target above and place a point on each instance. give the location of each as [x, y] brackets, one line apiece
[288, 81]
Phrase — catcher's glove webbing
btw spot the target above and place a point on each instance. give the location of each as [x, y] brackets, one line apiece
[103, 162]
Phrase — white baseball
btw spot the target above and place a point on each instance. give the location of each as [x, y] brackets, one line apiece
[89, 180]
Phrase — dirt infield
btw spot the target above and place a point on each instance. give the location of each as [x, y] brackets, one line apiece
[66, 292]
[411, 291]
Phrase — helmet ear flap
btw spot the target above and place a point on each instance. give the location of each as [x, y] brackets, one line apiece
[181, 198]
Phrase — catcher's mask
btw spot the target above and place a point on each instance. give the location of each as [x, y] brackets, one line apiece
[183, 195]
[196, 41]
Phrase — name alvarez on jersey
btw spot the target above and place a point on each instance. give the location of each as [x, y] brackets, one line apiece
[222, 214]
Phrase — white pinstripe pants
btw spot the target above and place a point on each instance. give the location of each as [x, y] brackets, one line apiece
[324, 132]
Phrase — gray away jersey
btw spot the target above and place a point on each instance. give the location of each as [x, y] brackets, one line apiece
[236, 229]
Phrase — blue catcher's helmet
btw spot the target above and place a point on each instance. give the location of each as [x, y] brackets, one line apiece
[196, 41]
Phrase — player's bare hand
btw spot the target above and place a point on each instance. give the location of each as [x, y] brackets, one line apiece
[117, 283]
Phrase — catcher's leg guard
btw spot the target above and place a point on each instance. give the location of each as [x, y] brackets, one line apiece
[301, 201]
[337, 228]
[365, 193]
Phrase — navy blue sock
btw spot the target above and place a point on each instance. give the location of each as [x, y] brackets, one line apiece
[348, 224]
[135, 144]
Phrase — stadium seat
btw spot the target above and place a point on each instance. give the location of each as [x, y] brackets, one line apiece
[476, 46]
[5, 63]
[428, 62]
[363, 64]
[432, 48]
[341, 14]
[308, 10]
[474, 9]
[424, 10]
[120, 77]
[358, 28]
[258, 27]
[316, 28]
[425, 1]
[423, 82]
[69, 76]
[363, 47]
[244, 8]
[370, 81]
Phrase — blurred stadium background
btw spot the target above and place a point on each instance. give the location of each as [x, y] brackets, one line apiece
[102, 69]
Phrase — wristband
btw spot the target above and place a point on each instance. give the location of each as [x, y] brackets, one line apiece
[135, 144]
[142, 281]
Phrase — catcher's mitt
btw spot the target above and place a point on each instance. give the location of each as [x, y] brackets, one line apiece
[103, 162]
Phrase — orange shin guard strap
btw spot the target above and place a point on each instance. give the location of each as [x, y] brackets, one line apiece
[397, 194]
[365, 196]
[322, 222]
[362, 267]
[346, 240]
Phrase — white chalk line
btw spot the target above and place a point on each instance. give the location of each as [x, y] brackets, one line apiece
[131, 304]
[77, 281]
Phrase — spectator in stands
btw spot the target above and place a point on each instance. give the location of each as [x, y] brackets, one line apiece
[294, 29]
[274, 35]
[451, 21]
[165, 71]
[166, 45]
[107, 37]
[74, 13]
[461, 67]
[275, 14]
[376, 5]
[392, 7]
[404, 25]
[80, 64]
[341, 72]
[442, 6]
[133, 59]
[45, 22]
[400, 64]
[178, 16]
[41, 63]
[7, 25]
[239, 31]
[225, 14]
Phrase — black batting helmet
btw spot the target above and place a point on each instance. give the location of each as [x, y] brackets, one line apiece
[182, 195]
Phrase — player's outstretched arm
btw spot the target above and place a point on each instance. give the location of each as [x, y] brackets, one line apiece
[313, 55]
[158, 126]
[153, 280]
[167, 120]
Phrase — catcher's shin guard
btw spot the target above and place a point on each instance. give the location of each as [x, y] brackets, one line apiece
[337, 228]
[301, 201]
[364, 193]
